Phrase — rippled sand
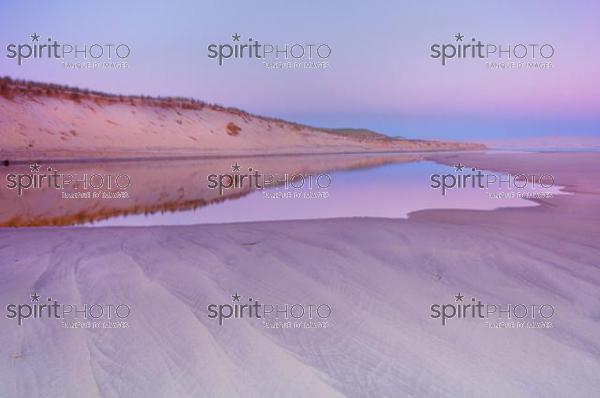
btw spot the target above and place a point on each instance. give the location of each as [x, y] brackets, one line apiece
[380, 276]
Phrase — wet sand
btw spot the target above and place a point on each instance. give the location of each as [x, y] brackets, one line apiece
[380, 276]
[156, 185]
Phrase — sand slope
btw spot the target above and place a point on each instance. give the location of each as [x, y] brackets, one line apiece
[42, 121]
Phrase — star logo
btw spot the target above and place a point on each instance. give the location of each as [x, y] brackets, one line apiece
[459, 167]
[459, 297]
[459, 37]
[35, 297]
[235, 167]
[236, 297]
[236, 37]
[35, 37]
[35, 168]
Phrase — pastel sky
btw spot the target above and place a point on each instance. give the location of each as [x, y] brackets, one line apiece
[380, 77]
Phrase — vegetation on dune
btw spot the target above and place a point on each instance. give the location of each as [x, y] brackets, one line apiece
[10, 89]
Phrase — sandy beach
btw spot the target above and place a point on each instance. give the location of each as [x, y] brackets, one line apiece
[379, 276]
[299, 200]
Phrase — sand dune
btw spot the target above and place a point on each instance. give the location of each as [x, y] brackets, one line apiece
[42, 121]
